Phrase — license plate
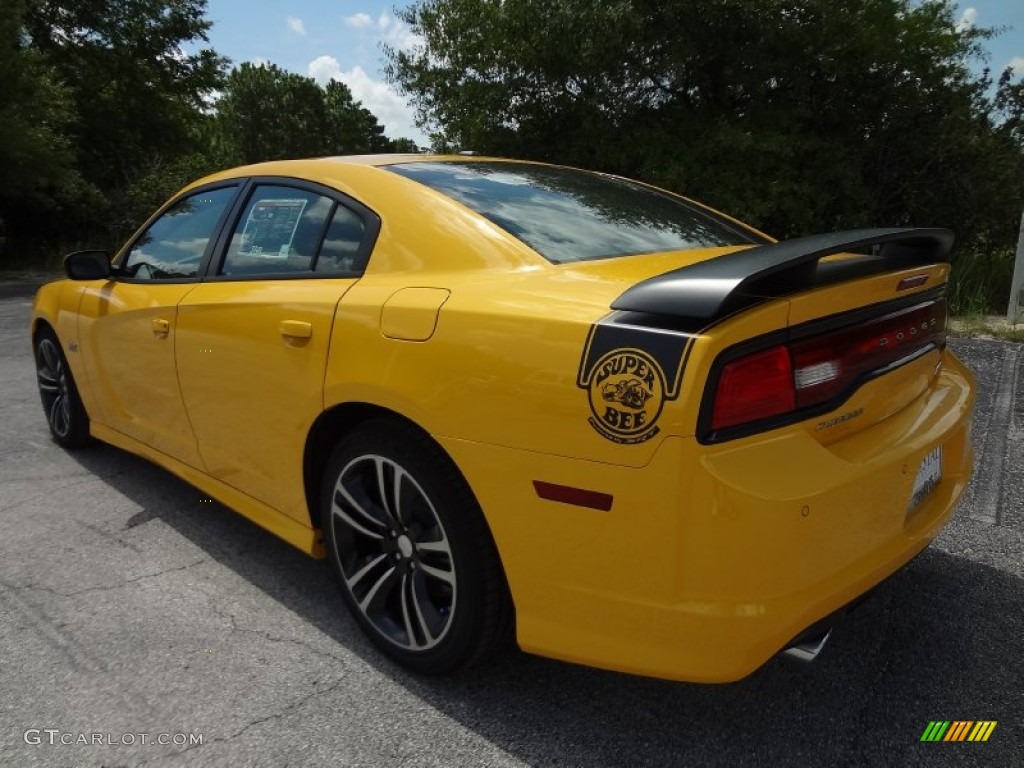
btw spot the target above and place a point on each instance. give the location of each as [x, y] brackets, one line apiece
[928, 476]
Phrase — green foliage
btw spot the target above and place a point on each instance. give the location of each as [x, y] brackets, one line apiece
[103, 115]
[979, 325]
[135, 92]
[94, 90]
[796, 115]
[36, 112]
[267, 113]
[148, 188]
[981, 280]
[404, 145]
[350, 128]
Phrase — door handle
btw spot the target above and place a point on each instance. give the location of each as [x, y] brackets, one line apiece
[161, 327]
[296, 329]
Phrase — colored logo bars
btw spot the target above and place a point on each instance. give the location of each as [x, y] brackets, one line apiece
[958, 730]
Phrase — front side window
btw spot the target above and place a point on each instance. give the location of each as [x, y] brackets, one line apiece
[569, 215]
[280, 231]
[173, 245]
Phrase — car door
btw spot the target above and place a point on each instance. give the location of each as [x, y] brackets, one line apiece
[127, 323]
[252, 338]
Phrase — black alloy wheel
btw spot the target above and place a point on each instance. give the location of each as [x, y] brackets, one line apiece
[65, 414]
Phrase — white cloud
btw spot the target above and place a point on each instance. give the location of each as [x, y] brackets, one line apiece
[389, 29]
[358, 20]
[397, 34]
[259, 61]
[376, 95]
[324, 69]
[296, 25]
[1017, 65]
[968, 19]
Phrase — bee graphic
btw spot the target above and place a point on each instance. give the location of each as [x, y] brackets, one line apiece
[628, 392]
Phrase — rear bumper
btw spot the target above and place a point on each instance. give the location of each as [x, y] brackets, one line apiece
[713, 558]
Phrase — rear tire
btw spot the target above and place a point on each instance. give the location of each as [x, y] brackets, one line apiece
[65, 414]
[414, 558]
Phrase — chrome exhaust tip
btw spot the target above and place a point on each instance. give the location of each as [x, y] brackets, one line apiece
[807, 650]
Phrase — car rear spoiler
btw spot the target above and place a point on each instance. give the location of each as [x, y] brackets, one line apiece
[710, 290]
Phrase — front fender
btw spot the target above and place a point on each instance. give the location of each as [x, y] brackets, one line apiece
[56, 305]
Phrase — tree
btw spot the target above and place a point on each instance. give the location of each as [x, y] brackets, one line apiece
[350, 128]
[267, 113]
[404, 145]
[797, 115]
[135, 92]
[103, 115]
[36, 112]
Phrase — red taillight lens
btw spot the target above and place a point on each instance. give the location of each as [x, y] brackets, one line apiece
[754, 387]
[816, 370]
[825, 366]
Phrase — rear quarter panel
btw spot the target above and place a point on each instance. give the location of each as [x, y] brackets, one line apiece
[508, 362]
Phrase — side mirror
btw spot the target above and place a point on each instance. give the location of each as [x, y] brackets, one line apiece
[87, 265]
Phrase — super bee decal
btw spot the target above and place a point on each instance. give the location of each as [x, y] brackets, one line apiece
[627, 391]
[623, 370]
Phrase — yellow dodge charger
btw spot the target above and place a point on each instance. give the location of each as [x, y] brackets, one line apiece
[510, 400]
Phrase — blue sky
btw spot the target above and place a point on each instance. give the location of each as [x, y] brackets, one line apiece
[322, 39]
[1008, 47]
[341, 39]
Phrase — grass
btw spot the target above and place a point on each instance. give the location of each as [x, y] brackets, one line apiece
[980, 281]
[976, 326]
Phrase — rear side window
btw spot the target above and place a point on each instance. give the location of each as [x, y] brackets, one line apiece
[340, 251]
[279, 231]
[570, 215]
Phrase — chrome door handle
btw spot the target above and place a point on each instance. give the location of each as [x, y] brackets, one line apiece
[296, 329]
[161, 327]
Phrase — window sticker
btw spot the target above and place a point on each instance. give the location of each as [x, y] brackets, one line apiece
[270, 228]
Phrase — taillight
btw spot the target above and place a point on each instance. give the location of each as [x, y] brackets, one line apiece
[754, 387]
[821, 369]
[826, 366]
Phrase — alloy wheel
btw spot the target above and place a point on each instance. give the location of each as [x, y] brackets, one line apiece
[393, 553]
[53, 387]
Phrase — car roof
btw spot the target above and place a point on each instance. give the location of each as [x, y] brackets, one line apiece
[277, 167]
[339, 171]
[391, 159]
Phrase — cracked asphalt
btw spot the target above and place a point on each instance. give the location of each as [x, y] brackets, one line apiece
[130, 604]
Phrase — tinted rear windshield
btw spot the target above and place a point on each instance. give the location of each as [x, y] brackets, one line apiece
[570, 215]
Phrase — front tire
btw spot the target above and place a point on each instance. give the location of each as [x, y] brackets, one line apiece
[65, 414]
[413, 555]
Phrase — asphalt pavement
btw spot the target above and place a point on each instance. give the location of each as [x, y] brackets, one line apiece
[131, 606]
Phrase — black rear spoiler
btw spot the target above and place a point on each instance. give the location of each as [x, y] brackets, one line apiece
[710, 290]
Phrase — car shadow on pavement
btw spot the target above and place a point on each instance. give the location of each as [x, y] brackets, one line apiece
[941, 640]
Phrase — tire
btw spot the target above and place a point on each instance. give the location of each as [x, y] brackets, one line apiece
[413, 555]
[65, 414]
